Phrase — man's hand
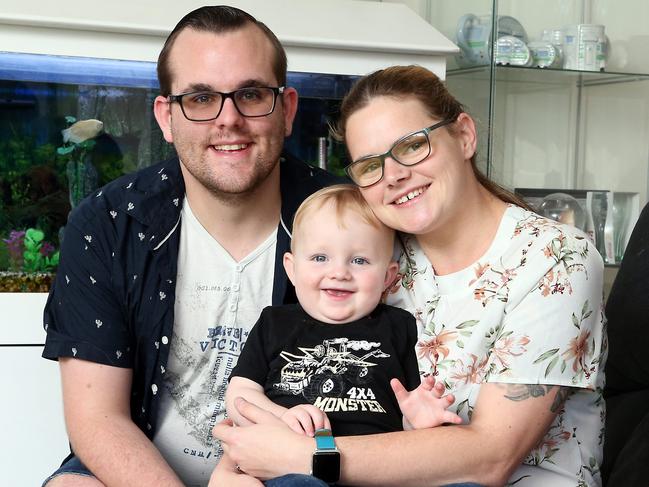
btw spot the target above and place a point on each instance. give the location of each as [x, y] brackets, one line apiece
[305, 419]
[426, 406]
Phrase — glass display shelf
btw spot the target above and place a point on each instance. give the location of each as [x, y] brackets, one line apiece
[547, 75]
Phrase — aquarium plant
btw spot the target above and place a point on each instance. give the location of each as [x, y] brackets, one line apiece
[39, 255]
[30, 252]
[15, 249]
[31, 262]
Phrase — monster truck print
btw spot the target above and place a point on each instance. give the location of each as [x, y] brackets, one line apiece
[329, 368]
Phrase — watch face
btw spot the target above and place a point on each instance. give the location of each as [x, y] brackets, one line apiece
[326, 466]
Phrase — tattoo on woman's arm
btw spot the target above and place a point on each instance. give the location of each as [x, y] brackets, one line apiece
[521, 392]
[560, 398]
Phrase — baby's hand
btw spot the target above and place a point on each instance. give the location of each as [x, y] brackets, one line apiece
[305, 419]
[426, 406]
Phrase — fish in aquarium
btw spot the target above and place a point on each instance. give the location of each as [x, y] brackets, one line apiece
[82, 130]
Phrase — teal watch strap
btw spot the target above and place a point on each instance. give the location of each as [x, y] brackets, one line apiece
[324, 440]
[326, 457]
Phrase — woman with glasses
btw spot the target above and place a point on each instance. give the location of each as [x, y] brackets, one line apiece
[508, 306]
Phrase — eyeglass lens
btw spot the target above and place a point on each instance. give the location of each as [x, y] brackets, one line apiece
[251, 102]
[411, 150]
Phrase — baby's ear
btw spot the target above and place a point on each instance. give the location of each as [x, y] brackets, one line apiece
[289, 266]
[390, 275]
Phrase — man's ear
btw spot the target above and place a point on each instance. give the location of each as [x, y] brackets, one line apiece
[289, 105]
[289, 266]
[162, 112]
[390, 275]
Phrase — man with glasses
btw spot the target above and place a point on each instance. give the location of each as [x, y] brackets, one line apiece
[164, 272]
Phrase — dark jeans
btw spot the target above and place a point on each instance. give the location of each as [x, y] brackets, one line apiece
[299, 480]
[74, 466]
[295, 480]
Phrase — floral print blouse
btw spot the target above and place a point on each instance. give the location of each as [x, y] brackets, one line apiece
[529, 311]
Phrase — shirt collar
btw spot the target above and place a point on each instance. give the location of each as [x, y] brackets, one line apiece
[154, 197]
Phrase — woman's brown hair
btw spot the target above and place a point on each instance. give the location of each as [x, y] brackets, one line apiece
[419, 83]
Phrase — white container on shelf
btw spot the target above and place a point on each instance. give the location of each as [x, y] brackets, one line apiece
[545, 54]
[585, 47]
[512, 51]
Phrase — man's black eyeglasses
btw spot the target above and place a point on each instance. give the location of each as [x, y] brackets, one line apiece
[202, 106]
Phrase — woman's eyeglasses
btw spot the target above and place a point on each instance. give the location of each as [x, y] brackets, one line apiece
[409, 150]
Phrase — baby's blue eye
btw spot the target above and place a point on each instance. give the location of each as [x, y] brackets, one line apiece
[319, 258]
[360, 260]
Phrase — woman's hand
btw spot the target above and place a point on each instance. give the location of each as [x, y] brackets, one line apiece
[268, 447]
[227, 473]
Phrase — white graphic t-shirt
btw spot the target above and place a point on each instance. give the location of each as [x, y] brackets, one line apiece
[218, 300]
[528, 312]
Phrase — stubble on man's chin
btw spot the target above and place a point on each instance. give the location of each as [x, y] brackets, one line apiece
[236, 198]
[225, 193]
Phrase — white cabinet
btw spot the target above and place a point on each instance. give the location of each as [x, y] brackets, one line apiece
[336, 36]
[33, 440]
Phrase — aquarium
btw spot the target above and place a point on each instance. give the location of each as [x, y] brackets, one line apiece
[69, 125]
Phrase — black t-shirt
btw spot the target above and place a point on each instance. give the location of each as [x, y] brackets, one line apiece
[344, 369]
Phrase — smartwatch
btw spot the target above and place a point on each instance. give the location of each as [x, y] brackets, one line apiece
[326, 457]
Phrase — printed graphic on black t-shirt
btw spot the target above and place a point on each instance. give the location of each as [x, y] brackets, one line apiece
[333, 375]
